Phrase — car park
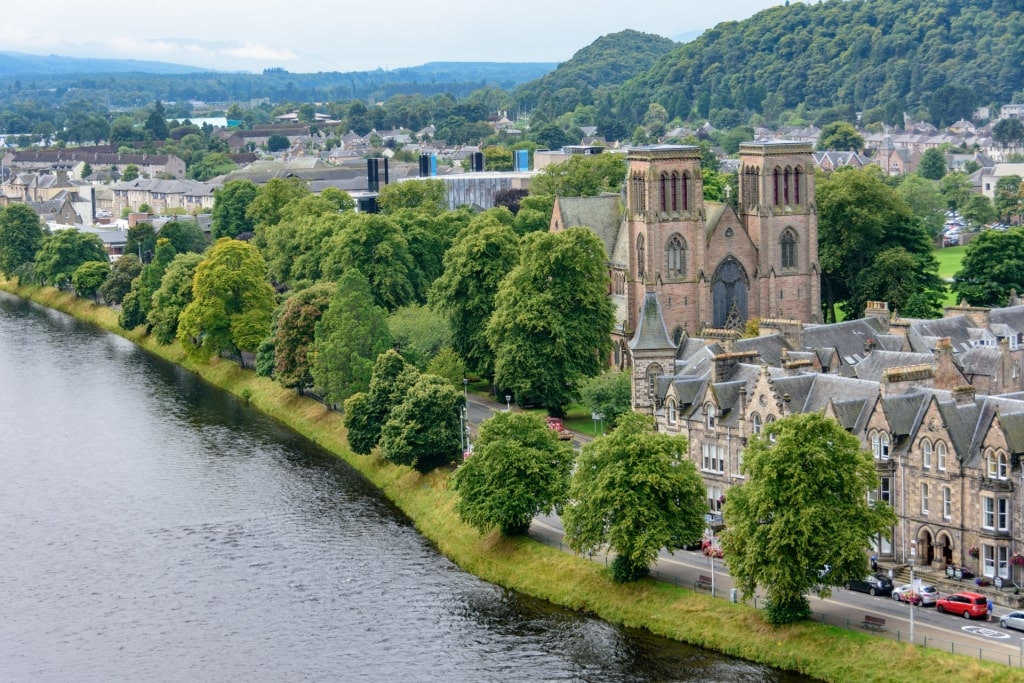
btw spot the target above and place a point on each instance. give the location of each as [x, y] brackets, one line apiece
[1012, 620]
[966, 604]
[873, 584]
[926, 594]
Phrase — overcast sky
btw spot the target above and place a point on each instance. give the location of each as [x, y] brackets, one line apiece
[340, 35]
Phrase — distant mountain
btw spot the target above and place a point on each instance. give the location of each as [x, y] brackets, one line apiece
[609, 61]
[935, 59]
[18, 64]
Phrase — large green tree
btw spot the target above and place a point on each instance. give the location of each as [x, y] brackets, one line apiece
[841, 136]
[294, 331]
[119, 282]
[349, 337]
[801, 522]
[582, 175]
[933, 164]
[61, 253]
[859, 218]
[374, 245]
[519, 469]
[366, 413]
[231, 302]
[184, 235]
[136, 303]
[464, 294]
[21, 234]
[141, 241]
[428, 195]
[420, 333]
[925, 201]
[993, 264]
[89, 277]
[609, 394]
[172, 296]
[271, 198]
[230, 206]
[552, 321]
[424, 431]
[636, 492]
[1007, 200]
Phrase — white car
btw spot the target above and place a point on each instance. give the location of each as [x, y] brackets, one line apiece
[926, 595]
[1013, 620]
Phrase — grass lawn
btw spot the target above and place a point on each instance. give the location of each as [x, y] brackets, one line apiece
[949, 260]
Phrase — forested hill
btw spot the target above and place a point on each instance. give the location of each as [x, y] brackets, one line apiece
[939, 58]
[609, 61]
[22, 65]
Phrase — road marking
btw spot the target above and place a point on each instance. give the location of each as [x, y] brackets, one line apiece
[985, 632]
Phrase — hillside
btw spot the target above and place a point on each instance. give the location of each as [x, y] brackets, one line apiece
[609, 61]
[939, 58]
[20, 65]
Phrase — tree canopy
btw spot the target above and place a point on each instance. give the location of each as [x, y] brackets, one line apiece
[230, 208]
[294, 331]
[581, 175]
[800, 522]
[21, 233]
[637, 492]
[231, 302]
[423, 430]
[61, 253]
[542, 353]
[173, 295]
[993, 264]
[519, 469]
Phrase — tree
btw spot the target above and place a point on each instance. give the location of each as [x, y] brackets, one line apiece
[207, 165]
[840, 135]
[636, 492]
[978, 210]
[366, 413]
[131, 172]
[374, 245]
[464, 294]
[993, 264]
[1007, 200]
[136, 304]
[1008, 132]
[89, 276]
[184, 235]
[86, 170]
[420, 333]
[956, 189]
[534, 214]
[552, 320]
[428, 195]
[423, 431]
[61, 253]
[447, 365]
[859, 217]
[141, 241]
[271, 198]
[294, 332]
[119, 282]
[348, 338]
[519, 469]
[802, 510]
[894, 277]
[933, 164]
[231, 302]
[277, 143]
[21, 234]
[609, 394]
[156, 122]
[583, 175]
[173, 295]
[230, 204]
[924, 200]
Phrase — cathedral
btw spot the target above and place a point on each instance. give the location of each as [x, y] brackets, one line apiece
[707, 265]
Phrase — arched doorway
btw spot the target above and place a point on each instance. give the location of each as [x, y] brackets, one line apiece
[729, 288]
[925, 550]
[943, 549]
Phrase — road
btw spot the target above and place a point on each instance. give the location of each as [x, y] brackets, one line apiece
[844, 608]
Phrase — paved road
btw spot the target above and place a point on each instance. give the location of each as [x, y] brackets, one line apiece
[844, 608]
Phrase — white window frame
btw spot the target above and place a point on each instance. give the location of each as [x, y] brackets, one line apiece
[713, 458]
[1003, 561]
[756, 424]
[926, 454]
[924, 499]
[1003, 514]
[947, 503]
[988, 560]
[988, 512]
[940, 452]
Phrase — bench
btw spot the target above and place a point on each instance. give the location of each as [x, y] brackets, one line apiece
[873, 623]
[703, 582]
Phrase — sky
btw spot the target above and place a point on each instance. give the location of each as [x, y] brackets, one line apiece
[340, 35]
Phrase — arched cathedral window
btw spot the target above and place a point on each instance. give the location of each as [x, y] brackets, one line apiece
[788, 249]
[640, 255]
[676, 254]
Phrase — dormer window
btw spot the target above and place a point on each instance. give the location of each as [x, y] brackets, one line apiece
[709, 415]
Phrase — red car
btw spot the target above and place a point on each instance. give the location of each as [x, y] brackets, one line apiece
[969, 605]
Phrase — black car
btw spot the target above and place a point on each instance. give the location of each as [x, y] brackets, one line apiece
[873, 584]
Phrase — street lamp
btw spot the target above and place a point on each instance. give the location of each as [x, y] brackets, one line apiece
[508, 402]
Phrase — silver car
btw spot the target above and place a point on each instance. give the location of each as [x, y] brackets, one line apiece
[927, 595]
[1012, 620]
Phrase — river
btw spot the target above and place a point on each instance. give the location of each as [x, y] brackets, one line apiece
[153, 528]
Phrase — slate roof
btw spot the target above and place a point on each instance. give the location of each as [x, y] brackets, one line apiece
[877, 362]
[848, 337]
[650, 331]
[769, 347]
[602, 214]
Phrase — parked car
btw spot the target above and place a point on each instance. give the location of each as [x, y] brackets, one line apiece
[927, 595]
[1013, 620]
[873, 584]
[555, 424]
[967, 604]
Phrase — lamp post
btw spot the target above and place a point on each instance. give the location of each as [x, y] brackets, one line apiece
[508, 402]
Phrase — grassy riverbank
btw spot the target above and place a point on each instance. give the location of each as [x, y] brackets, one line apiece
[822, 652]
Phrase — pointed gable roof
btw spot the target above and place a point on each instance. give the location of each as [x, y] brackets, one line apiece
[651, 334]
[602, 214]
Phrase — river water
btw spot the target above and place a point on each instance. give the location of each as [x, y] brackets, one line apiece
[153, 528]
